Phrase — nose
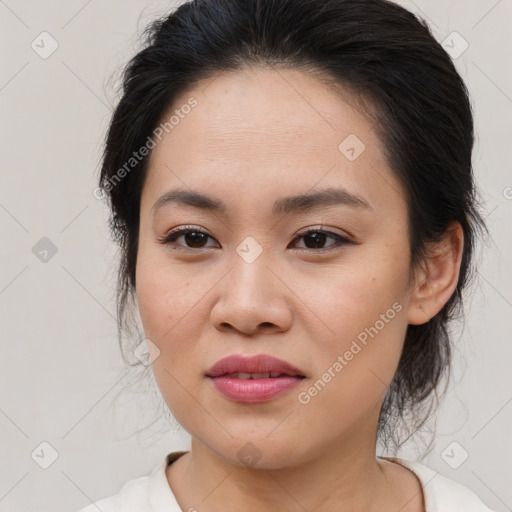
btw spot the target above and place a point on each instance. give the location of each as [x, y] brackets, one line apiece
[253, 297]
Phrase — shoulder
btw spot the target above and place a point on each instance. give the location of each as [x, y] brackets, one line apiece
[441, 493]
[146, 493]
[133, 496]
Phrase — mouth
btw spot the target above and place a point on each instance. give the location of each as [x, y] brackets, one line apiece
[253, 379]
[260, 366]
[256, 376]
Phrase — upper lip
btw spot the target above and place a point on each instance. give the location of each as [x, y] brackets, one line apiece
[261, 363]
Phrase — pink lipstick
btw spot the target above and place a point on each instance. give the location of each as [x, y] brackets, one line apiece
[253, 379]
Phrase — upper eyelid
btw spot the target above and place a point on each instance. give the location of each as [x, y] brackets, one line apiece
[301, 232]
[182, 230]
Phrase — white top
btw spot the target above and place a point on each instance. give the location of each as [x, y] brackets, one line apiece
[152, 493]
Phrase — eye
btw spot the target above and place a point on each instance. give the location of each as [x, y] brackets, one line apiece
[195, 238]
[316, 238]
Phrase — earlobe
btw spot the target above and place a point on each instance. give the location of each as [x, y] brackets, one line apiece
[437, 279]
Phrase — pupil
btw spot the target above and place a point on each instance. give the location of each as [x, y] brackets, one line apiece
[317, 238]
[195, 238]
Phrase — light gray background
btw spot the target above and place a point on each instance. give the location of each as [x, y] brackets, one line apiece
[60, 364]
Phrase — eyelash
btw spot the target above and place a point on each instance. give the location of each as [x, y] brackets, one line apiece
[170, 239]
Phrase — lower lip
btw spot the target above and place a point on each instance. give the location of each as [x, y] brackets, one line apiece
[254, 390]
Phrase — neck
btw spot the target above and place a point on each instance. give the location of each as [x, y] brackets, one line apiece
[346, 477]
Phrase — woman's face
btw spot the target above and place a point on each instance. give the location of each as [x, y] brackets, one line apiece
[335, 308]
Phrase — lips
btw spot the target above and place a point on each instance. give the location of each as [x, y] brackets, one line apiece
[247, 376]
[254, 379]
[261, 366]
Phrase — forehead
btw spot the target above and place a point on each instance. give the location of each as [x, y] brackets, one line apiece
[267, 130]
[269, 105]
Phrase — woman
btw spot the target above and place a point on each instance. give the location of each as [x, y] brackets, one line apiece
[291, 187]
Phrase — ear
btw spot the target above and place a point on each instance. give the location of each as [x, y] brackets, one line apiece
[436, 281]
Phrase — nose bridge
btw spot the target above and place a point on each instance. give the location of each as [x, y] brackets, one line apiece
[250, 270]
[252, 295]
[250, 250]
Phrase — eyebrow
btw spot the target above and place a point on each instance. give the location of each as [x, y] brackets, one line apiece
[298, 203]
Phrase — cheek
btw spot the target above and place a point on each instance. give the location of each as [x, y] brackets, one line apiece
[354, 370]
[170, 320]
[163, 294]
[173, 312]
[363, 321]
[347, 299]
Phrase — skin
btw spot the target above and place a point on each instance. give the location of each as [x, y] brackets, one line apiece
[254, 137]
